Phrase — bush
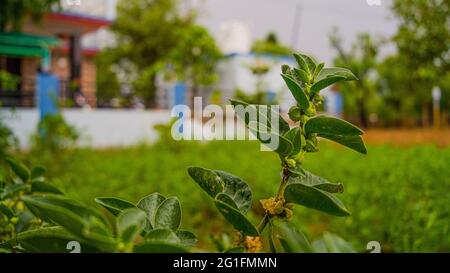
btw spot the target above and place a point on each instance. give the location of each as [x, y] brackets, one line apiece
[53, 135]
[8, 141]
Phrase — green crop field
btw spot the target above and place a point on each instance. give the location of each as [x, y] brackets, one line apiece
[397, 196]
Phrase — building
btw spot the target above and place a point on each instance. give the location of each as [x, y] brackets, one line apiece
[53, 45]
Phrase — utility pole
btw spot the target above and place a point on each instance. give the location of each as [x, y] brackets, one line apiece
[296, 25]
[436, 94]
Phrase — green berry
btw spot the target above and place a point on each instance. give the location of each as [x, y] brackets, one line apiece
[291, 162]
[294, 113]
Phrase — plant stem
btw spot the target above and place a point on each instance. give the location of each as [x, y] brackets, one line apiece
[263, 223]
[282, 185]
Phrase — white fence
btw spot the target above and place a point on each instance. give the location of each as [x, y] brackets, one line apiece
[98, 127]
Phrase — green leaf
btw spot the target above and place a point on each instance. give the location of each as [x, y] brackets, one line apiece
[301, 75]
[297, 170]
[227, 200]
[318, 69]
[312, 180]
[18, 168]
[319, 85]
[214, 182]
[6, 211]
[337, 130]
[353, 142]
[297, 91]
[163, 235]
[237, 249]
[25, 218]
[285, 69]
[130, 223]
[271, 239]
[13, 189]
[168, 214]
[187, 238]
[310, 62]
[302, 63]
[291, 239]
[282, 146]
[37, 171]
[113, 204]
[4, 250]
[314, 198]
[65, 203]
[77, 218]
[294, 136]
[237, 219]
[159, 247]
[331, 243]
[44, 187]
[283, 126]
[150, 204]
[331, 126]
[294, 113]
[50, 240]
[336, 71]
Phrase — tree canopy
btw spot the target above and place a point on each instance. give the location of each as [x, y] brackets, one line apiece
[270, 45]
[13, 12]
[158, 36]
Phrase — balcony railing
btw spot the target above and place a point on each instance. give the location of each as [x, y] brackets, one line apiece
[25, 94]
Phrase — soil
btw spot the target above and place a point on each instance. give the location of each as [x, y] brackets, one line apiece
[408, 137]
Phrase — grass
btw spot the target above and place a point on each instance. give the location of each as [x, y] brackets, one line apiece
[398, 196]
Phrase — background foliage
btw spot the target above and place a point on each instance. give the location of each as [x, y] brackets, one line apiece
[397, 196]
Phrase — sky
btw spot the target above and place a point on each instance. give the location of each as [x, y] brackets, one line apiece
[305, 25]
[310, 31]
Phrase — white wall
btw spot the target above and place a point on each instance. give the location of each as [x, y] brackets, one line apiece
[98, 127]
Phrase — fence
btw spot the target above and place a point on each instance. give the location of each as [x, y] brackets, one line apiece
[24, 94]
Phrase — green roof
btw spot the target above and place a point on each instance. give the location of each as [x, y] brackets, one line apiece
[25, 45]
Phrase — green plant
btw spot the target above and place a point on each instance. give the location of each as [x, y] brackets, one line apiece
[259, 95]
[17, 183]
[152, 224]
[8, 140]
[8, 81]
[13, 13]
[53, 221]
[360, 97]
[407, 187]
[270, 45]
[53, 135]
[233, 196]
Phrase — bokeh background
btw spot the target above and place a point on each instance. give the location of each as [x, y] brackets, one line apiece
[100, 78]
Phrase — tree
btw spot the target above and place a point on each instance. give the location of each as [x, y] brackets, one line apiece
[14, 12]
[423, 43]
[362, 60]
[270, 45]
[259, 68]
[108, 85]
[146, 33]
[194, 57]
[399, 105]
[155, 36]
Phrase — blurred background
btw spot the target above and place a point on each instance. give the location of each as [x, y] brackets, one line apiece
[86, 89]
